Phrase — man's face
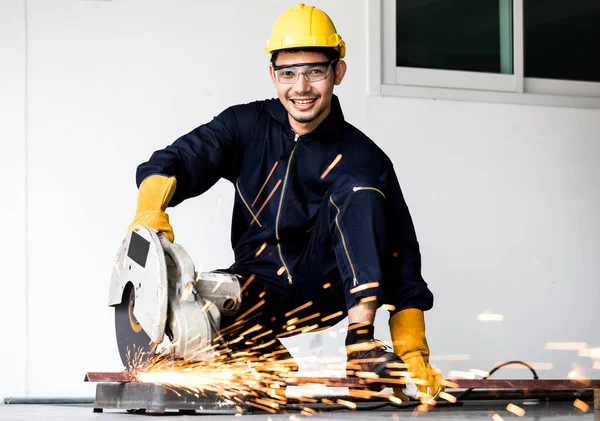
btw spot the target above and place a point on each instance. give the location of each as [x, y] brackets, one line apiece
[307, 103]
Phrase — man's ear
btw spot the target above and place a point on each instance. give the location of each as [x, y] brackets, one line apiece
[272, 73]
[340, 71]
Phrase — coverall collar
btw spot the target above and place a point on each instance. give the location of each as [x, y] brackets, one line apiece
[332, 123]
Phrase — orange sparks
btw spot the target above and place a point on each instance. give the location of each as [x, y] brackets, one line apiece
[297, 309]
[308, 411]
[364, 286]
[515, 409]
[346, 403]
[262, 294]
[590, 353]
[447, 396]
[264, 408]
[497, 417]
[478, 372]
[252, 329]
[332, 316]
[358, 325]
[312, 316]
[489, 317]
[262, 334]
[186, 293]
[362, 394]
[421, 408]
[309, 328]
[217, 286]
[265, 183]
[327, 285]
[248, 281]
[255, 219]
[330, 167]
[566, 346]
[581, 405]
[456, 374]
[395, 400]
[261, 249]
[260, 303]
[389, 307]
[368, 299]
[281, 270]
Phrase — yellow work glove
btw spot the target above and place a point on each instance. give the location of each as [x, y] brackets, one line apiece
[408, 338]
[154, 196]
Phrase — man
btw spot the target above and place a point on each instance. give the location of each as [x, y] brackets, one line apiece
[320, 227]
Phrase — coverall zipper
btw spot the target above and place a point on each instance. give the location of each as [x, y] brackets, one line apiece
[287, 171]
[359, 188]
[337, 223]
[237, 187]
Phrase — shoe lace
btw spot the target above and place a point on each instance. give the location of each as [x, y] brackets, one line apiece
[381, 346]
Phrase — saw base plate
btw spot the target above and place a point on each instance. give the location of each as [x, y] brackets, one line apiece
[154, 398]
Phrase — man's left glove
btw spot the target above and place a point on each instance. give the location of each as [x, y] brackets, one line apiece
[408, 338]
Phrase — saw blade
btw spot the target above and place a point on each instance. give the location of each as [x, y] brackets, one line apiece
[135, 346]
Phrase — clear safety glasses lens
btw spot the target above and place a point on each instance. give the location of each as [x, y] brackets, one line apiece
[314, 72]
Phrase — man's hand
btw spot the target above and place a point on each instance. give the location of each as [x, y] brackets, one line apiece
[408, 338]
[157, 220]
[154, 196]
[428, 379]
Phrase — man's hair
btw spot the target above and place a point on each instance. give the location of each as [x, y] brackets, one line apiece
[329, 52]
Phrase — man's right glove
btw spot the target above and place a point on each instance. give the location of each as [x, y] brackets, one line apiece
[154, 196]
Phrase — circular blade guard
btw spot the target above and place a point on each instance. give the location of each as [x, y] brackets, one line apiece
[139, 293]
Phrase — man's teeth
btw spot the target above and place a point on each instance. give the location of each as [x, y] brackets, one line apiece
[303, 101]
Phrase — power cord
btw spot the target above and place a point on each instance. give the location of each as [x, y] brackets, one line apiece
[499, 366]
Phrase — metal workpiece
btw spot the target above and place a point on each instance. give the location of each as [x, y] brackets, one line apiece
[153, 398]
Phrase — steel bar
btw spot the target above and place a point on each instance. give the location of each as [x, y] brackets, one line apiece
[108, 377]
[123, 377]
[526, 384]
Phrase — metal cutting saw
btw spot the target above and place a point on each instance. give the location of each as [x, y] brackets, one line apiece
[157, 294]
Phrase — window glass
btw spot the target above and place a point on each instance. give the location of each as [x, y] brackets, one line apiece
[562, 39]
[471, 35]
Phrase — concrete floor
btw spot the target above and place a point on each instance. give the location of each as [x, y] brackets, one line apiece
[482, 410]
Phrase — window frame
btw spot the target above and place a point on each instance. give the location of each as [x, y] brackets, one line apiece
[386, 79]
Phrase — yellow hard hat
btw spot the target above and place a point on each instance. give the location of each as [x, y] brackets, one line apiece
[304, 26]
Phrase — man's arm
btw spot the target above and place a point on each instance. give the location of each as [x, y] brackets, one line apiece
[198, 159]
[187, 168]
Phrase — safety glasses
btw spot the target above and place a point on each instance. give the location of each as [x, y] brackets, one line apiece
[312, 72]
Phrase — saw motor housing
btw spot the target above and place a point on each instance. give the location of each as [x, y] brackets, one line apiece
[170, 297]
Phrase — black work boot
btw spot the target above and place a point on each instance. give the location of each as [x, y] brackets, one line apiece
[372, 361]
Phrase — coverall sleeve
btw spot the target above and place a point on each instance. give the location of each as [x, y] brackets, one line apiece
[200, 158]
[406, 283]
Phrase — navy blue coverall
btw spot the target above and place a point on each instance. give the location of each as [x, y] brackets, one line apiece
[315, 216]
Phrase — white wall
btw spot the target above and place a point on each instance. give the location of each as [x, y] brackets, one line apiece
[13, 305]
[504, 197]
